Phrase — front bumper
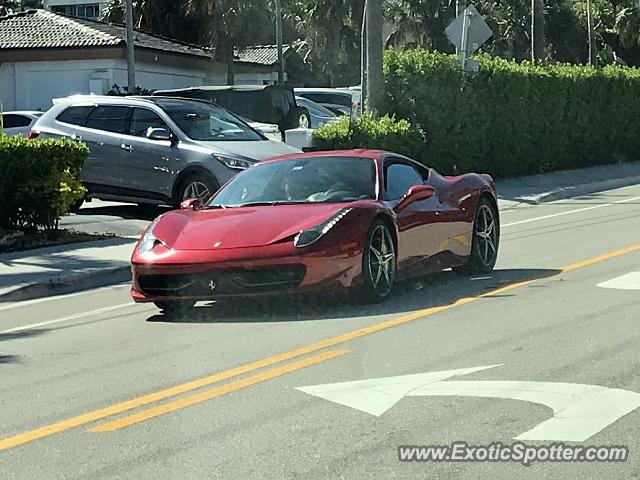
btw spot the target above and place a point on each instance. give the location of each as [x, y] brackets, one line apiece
[255, 271]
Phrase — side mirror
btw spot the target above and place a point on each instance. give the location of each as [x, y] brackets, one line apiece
[191, 204]
[419, 192]
[159, 134]
[416, 193]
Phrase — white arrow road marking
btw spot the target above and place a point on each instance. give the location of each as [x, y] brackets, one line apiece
[579, 411]
[630, 281]
[378, 395]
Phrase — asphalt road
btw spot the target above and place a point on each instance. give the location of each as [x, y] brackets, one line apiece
[94, 387]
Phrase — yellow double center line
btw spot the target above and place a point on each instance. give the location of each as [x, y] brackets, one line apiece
[245, 382]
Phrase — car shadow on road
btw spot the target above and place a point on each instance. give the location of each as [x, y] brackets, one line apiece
[433, 290]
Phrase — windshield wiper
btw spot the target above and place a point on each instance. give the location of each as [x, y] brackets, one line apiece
[213, 206]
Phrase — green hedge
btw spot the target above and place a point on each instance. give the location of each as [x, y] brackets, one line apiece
[39, 181]
[367, 132]
[515, 119]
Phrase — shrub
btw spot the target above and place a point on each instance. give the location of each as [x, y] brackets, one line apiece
[515, 118]
[384, 133]
[39, 181]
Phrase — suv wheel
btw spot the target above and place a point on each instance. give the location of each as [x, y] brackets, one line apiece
[200, 185]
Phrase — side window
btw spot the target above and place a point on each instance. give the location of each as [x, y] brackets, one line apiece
[75, 115]
[399, 178]
[143, 119]
[108, 118]
[16, 121]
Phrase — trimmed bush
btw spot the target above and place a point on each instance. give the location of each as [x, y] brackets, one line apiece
[384, 133]
[515, 118]
[39, 181]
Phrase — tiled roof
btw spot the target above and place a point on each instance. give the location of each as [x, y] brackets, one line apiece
[260, 54]
[44, 29]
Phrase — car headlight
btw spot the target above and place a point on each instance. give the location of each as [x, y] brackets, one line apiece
[312, 235]
[234, 162]
[149, 241]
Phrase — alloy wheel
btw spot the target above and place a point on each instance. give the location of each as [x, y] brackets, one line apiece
[486, 234]
[382, 260]
[196, 190]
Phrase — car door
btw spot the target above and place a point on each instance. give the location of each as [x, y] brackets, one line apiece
[422, 230]
[150, 165]
[103, 133]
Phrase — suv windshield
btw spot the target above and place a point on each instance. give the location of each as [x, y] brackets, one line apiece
[300, 180]
[206, 122]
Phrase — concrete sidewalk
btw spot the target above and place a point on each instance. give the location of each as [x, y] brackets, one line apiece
[547, 187]
[64, 268]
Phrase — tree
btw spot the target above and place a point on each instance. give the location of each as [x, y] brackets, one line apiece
[330, 30]
[161, 17]
[232, 24]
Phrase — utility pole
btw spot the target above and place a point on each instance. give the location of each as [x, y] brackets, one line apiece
[537, 30]
[375, 78]
[131, 60]
[593, 59]
[461, 6]
[279, 42]
[363, 59]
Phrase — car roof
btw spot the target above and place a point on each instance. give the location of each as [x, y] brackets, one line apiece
[29, 113]
[133, 99]
[217, 88]
[323, 90]
[346, 154]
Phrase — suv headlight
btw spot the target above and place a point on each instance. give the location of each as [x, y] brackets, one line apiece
[234, 162]
[312, 235]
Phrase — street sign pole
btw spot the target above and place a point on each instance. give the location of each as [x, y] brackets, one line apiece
[466, 16]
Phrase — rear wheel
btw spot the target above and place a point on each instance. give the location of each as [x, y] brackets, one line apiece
[179, 306]
[200, 185]
[378, 263]
[486, 236]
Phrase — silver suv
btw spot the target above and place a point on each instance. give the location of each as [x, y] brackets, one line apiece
[158, 150]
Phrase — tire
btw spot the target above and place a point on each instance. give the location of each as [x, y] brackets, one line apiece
[378, 264]
[201, 184]
[484, 245]
[174, 307]
[298, 117]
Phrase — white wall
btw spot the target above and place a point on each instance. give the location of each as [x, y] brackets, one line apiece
[153, 76]
[37, 83]
[7, 86]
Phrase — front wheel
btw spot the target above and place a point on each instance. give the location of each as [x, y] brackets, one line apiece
[484, 245]
[198, 185]
[378, 263]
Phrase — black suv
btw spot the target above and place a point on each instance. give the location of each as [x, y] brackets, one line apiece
[275, 104]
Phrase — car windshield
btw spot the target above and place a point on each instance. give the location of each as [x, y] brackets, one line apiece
[206, 122]
[300, 180]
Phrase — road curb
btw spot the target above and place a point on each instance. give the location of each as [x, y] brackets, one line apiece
[68, 283]
[565, 192]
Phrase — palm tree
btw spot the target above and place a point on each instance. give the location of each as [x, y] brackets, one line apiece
[229, 25]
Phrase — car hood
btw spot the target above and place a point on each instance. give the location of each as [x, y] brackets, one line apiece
[256, 150]
[239, 227]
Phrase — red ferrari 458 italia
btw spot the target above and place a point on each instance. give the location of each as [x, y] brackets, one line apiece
[324, 221]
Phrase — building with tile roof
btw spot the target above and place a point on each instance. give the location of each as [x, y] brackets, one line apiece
[44, 55]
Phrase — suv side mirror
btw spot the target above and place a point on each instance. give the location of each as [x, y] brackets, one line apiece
[159, 134]
[191, 204]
